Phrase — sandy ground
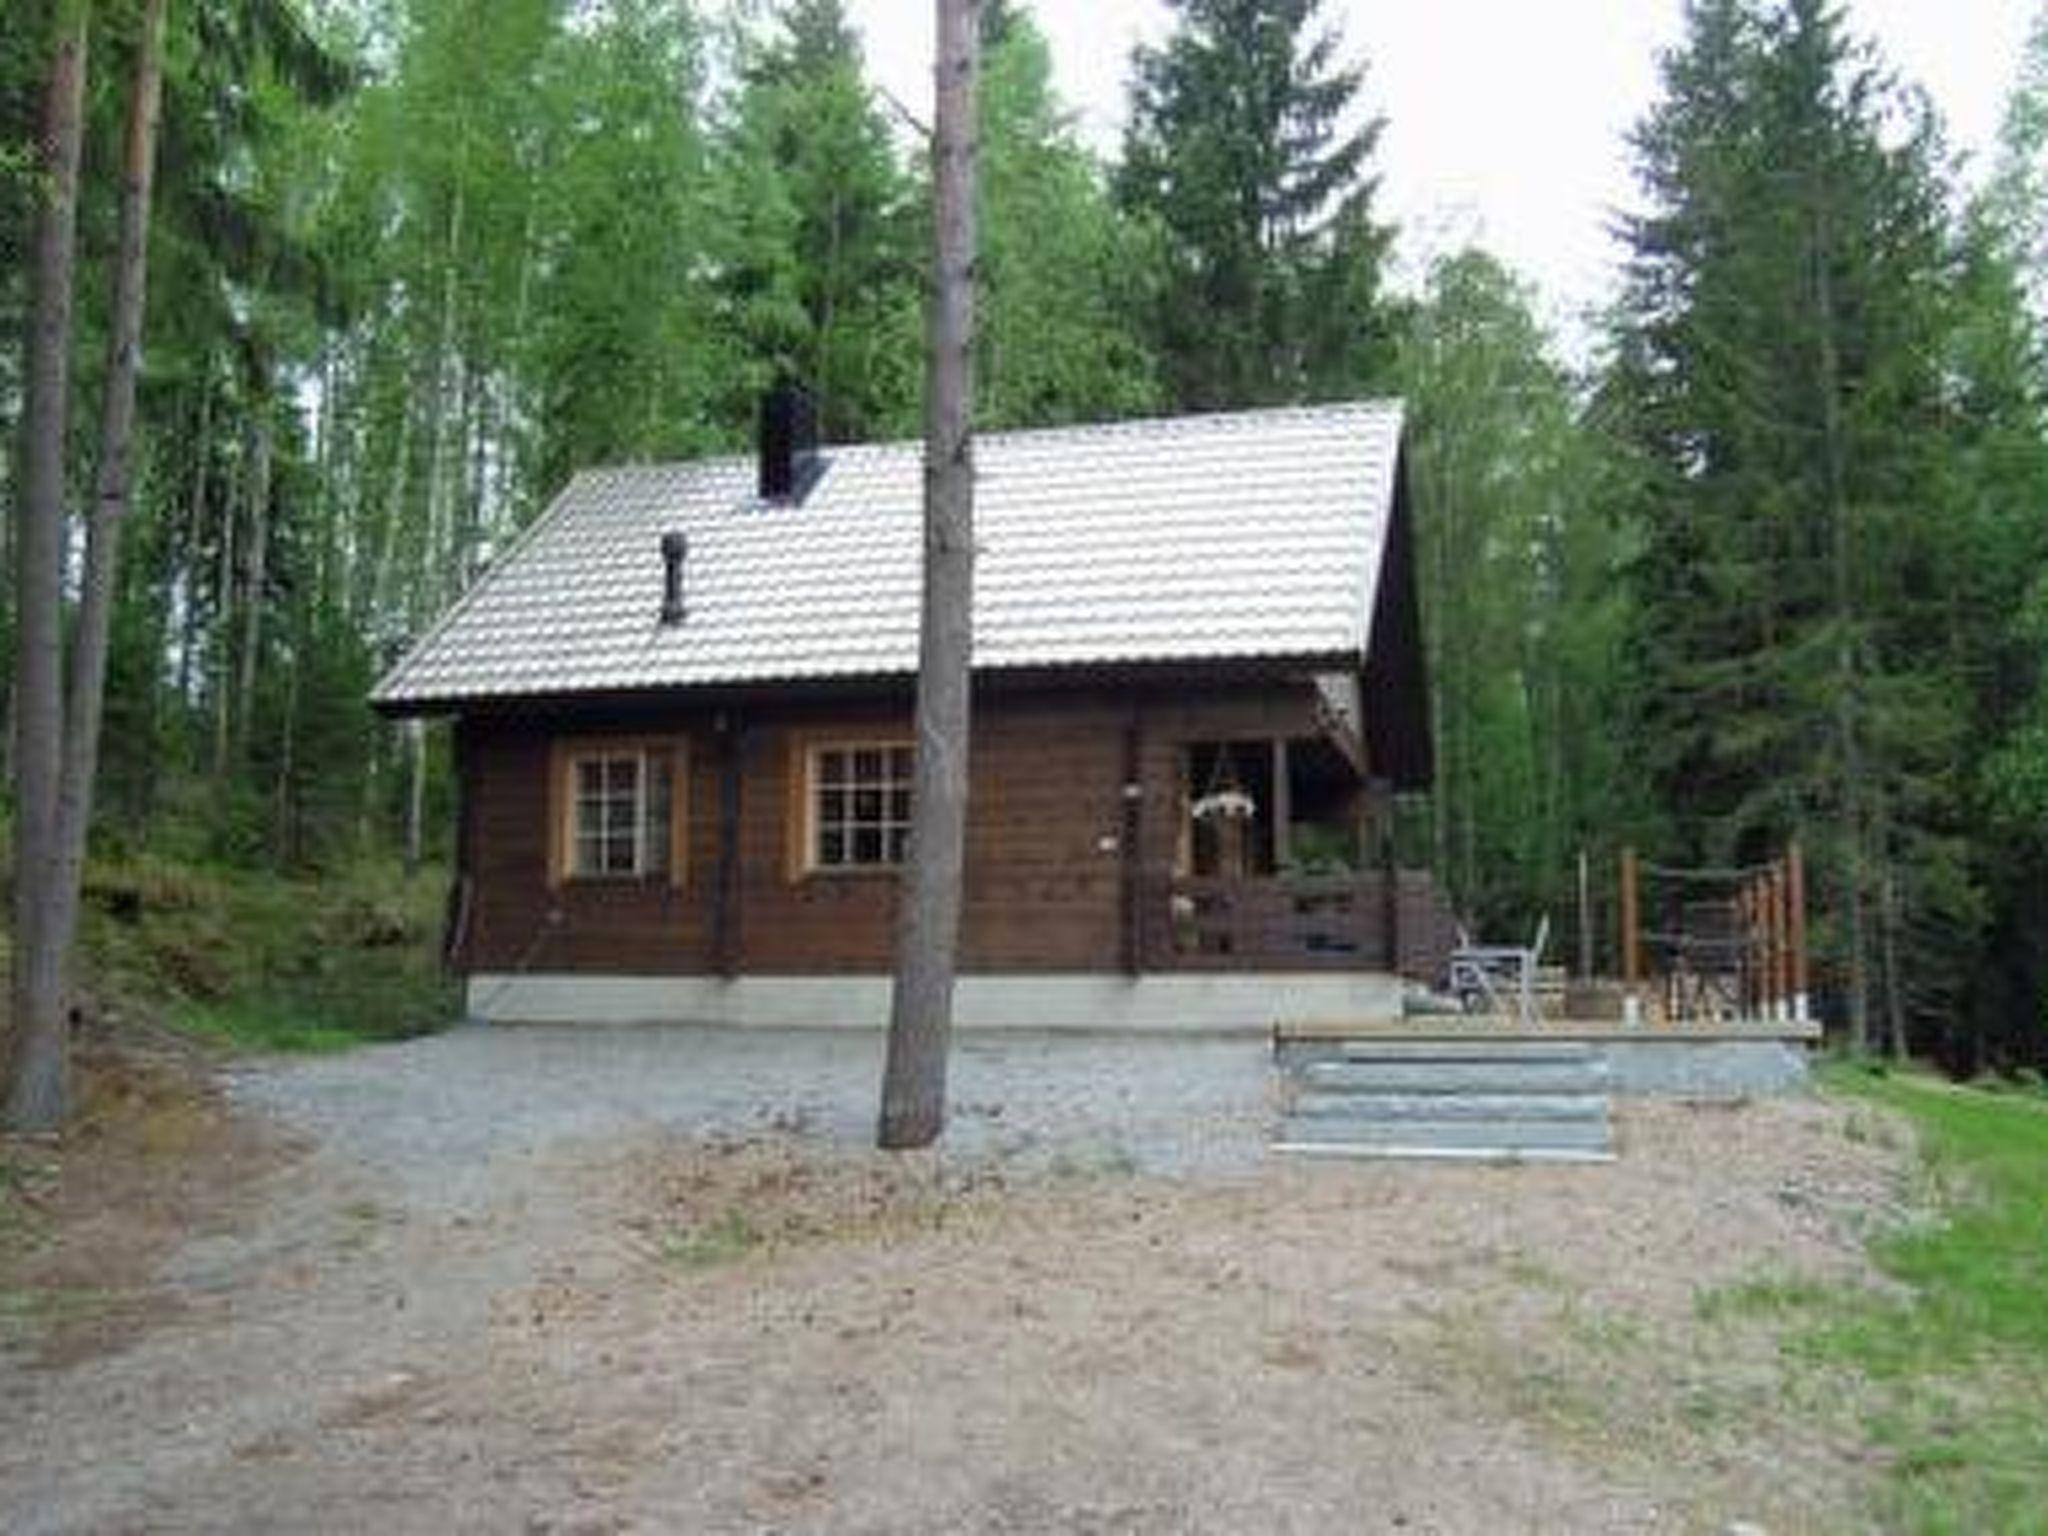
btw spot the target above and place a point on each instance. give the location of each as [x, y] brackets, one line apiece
[605, 1281]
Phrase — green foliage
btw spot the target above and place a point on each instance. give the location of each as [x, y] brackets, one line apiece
[1523, 617]
[1272, 263]
[1834, 430]
[1063, 276]
[626, 355]
[1795, 1296]
[265, 1025]
[819, 264]
[1961, 1359]
[265, 962]
[725, 1239]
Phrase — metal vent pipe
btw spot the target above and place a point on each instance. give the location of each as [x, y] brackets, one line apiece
[675, 549]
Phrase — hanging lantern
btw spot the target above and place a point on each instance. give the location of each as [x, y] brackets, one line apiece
[1225, 798]
[1224, 805]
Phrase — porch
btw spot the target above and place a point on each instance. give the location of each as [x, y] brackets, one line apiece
[1283, 858]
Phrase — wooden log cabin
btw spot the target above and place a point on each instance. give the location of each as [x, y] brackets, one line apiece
[682, 705]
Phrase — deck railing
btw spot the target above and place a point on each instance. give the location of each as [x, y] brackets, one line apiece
[1300, 922]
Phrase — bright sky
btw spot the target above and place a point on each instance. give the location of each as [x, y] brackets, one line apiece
[1505, 118]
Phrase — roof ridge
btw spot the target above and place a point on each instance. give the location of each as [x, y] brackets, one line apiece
[1246, 417]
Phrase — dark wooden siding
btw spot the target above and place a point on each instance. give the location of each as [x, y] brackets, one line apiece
[1049, 880]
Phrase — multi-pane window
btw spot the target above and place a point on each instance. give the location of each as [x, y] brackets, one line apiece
[860, 806]
[622, 810]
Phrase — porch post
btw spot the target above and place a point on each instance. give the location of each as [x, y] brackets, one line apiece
[1745, 962]
[1381, 798]
[1771, 995]
[1631, 956]
[1283, 809]
[462, 890]
[1795, 899]
[1780, 947]
[1130, 831]
[1585, 919]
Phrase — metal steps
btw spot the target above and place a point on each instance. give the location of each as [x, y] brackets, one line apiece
[1476, 1100]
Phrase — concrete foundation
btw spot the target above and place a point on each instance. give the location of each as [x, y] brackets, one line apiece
[1708, 1068]
[1204, 1003]
[1730, 1062]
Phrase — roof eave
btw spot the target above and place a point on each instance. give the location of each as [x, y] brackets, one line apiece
[1276, 667]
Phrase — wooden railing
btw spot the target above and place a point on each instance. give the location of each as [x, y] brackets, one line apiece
[1298, 922]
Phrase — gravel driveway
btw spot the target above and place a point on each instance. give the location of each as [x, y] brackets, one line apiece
[649, 1280]
[446, 1113]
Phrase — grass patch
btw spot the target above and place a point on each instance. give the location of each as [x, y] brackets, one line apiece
[249, 1025]
[1960, 1364]
[24, 1188]
[29, 1314]
[259, 961]
[727, 1237]
[1770, 1297]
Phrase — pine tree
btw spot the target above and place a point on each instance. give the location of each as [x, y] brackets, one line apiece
[913, 1110]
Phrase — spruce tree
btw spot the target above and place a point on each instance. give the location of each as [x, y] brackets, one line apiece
[817, 260]
[1780, 366]
[1238, 151]
[1061, 272]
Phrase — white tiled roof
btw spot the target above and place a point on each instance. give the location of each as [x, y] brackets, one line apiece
[1192, 538]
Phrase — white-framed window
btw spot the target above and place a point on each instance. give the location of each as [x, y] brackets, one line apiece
[619, 810]
[859, 804]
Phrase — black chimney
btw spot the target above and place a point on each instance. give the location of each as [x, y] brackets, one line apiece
[789, 442]
[675, 548]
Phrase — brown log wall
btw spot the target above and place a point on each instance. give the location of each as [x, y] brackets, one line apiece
[1050, 883]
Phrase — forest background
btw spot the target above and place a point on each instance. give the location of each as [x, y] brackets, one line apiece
[1773, 564]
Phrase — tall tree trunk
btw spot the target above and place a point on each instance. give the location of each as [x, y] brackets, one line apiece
[286, 844]
[394, 518]
[345, 494]
[37, 1063]
[928, 911]
[1848, 671]
[1894, 982]
[415, 795]
[324, 557]
[437, 584]
[470, 514]
[101, 586]
[259, 553]
[379, 589]
[224, 621]
[195, 520]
